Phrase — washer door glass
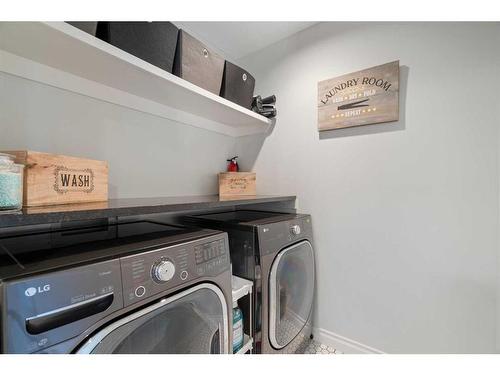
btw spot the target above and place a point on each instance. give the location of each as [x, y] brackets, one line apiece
[193, 321]
[291, 293]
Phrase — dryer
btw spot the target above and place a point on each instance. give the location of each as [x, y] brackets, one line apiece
[140, 287]
[275, 250]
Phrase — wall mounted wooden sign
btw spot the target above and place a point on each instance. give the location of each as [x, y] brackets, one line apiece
[370, 96]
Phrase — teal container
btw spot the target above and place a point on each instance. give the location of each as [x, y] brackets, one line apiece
[237, 328]
[11, 183]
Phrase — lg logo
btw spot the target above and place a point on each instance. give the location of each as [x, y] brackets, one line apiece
[30, 292]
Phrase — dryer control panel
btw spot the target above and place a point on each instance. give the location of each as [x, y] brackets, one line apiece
[275, 236]
[157, 271]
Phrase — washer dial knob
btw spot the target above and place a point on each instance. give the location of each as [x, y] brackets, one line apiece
[163, 271]
[295, 229]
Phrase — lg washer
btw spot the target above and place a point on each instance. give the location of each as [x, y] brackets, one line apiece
[140, 287]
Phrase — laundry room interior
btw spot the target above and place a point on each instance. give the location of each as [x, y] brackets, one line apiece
[249, 187]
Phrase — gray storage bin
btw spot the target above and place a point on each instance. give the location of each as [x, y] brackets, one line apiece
[154, 42]
[198, 64]
[237, 85]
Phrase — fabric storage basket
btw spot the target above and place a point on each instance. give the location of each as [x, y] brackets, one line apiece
[87, 26]
[198, 64]
[154, 42]
[237, 85]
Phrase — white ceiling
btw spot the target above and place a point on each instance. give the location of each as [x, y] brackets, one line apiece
[237, 39]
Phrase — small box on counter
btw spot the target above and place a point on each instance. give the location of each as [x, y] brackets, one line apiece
[237, 183]
[154, 42]
[198, 64]
[237, 85]
[51, 179]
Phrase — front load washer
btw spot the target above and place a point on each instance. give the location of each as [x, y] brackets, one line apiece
[140, 287]
[275, 250]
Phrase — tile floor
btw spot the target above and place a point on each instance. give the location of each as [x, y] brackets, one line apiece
[300, 345]
[316, 347]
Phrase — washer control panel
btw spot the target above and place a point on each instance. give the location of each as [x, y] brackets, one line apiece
[295, 229]
[44, 310]
[163, 271]
[210, 256]
[156, 271]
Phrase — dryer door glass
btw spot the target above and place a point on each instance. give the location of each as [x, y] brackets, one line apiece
[291, 284]
[193, 321]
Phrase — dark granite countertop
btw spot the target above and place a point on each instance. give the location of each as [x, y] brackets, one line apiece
[129, 207]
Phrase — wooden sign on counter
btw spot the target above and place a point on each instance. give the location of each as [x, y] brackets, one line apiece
[58, 179]
[237, 183]
[370, 96]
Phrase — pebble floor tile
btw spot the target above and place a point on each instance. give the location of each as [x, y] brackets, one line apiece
[316, 347]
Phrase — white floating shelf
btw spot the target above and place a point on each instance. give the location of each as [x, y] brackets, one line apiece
[60, 55]
[241, 287]
[247, 346]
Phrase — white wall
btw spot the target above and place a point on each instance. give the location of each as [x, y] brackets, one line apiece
[405, 214]
[147, 155]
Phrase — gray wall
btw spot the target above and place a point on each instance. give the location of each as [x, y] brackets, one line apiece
[147, 155]
[405, 214]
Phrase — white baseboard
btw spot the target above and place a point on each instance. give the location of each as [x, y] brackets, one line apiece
[343, 344]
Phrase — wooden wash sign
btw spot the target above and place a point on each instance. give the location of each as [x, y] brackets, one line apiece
[67, 179]
[370, 96]
[59, 179]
